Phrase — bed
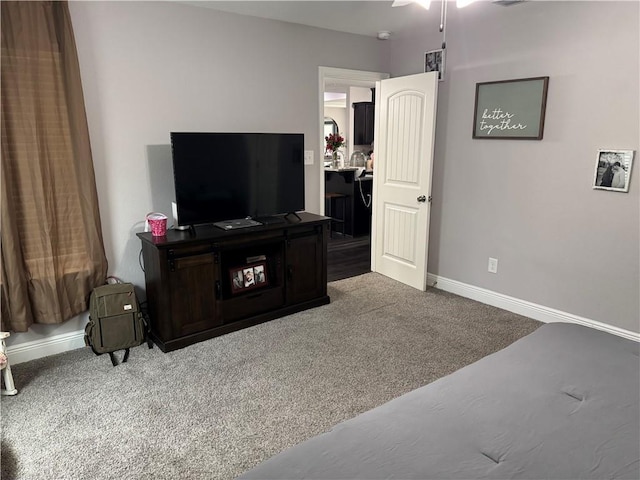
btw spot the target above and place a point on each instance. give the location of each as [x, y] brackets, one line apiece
[560, 403]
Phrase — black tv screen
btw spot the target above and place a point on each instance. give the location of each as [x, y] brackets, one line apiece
[228, 176]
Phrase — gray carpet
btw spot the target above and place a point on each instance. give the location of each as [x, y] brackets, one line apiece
[217, 408]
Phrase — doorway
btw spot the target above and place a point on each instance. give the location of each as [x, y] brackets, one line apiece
[349, 249]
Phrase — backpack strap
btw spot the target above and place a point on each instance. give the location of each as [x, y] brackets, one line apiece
[147, 324]
[114, 360]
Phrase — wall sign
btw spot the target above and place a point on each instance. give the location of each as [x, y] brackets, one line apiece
[511, 109]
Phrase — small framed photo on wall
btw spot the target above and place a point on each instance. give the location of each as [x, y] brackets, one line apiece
[613, 170]
[434, 62]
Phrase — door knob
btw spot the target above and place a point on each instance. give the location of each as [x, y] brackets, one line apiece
[422, 199]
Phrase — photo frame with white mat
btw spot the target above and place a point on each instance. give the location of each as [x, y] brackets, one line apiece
[613, 170]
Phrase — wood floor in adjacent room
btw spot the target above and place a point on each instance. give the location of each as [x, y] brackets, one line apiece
[348, 256]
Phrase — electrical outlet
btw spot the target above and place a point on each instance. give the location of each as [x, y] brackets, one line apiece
[493, 265]
[308, 157]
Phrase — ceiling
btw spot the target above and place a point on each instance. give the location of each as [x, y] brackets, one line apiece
[359, 17]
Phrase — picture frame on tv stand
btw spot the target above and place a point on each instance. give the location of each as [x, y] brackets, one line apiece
[248, 277]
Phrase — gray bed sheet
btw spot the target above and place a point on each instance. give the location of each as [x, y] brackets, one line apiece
[560, 403]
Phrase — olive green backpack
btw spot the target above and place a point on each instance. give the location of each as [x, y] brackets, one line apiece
[115, 321]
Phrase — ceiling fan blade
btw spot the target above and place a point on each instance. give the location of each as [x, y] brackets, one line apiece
[401, 3]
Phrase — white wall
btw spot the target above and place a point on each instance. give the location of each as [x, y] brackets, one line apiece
[528, 203]
[149, 68]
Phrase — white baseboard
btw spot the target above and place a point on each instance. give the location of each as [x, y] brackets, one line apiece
[26, 351]
[522, 307]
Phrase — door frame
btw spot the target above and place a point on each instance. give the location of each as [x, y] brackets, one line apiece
[342, 76]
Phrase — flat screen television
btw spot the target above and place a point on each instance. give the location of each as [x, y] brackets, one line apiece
[228, 176]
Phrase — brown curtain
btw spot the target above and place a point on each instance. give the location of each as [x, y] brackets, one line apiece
[52, 250]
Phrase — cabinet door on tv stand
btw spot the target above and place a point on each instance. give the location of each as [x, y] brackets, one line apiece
[306, 268]
[193, 298]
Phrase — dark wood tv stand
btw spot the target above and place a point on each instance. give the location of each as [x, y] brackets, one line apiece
[188, 277]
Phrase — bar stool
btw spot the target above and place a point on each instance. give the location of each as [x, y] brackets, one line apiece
[333, 199]
[10, 388]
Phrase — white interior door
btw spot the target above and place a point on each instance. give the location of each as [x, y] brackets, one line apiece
[404, 139]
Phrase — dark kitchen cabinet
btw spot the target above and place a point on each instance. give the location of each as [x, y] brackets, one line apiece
[363, 120]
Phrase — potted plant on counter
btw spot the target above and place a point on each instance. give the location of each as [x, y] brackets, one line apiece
[334, 142]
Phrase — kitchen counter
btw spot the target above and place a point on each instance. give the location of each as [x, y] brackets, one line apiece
[347, 169]
[359, 193]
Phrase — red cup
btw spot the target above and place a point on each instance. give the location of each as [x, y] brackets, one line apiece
[158, 224]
